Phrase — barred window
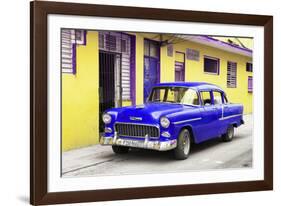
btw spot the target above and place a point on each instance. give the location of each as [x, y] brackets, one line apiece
[231, 74]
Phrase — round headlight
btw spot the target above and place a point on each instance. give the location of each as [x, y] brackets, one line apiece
[106, 118]
[165, 122]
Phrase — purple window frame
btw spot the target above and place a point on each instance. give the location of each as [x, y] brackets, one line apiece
[158, 58]
[133, 69]
[250, 84]
[218, 65]
[170, 50]
[182, 71]
[74, 58]
[184, 56]
[74, 52]
[247, 67]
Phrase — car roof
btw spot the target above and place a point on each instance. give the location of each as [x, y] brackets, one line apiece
[196, 85]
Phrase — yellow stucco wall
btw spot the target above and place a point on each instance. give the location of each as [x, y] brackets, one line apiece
[194, 71]
[80, 100]
[139, 68]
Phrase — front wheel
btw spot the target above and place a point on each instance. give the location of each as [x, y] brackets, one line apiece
[183, 146]
[120, 149]
[228, 136]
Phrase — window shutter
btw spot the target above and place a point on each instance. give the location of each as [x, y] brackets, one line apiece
[231, 74]
[67, 50]
[101, 41]
[110, 42]
[126, 55]
[123, 46]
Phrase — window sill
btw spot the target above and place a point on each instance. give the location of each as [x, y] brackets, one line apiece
[211, 73]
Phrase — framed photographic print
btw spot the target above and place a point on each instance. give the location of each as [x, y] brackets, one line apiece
[131, 103]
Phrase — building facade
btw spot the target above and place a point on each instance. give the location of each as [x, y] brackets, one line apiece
[112, 69]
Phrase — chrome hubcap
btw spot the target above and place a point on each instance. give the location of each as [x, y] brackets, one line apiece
[230, 132]
[186, 144]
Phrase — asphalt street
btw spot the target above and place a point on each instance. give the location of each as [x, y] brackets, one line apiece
[100, 160]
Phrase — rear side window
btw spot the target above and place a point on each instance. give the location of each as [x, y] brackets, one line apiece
[217, 97]
[206, 97]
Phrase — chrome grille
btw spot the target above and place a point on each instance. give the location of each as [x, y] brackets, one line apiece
[136, 130]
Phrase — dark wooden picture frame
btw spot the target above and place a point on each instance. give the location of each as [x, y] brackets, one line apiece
[38, 102]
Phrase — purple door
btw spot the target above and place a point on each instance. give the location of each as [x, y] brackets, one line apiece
[150, 75]
[179, 72]
[151, 66]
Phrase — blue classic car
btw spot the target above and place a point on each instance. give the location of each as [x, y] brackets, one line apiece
[174, 116]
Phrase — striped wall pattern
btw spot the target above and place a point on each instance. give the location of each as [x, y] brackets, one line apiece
[68, 51]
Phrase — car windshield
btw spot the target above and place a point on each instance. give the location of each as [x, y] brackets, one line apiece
[179, 95]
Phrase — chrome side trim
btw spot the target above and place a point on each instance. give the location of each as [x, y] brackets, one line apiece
[189, 120]
[228, 117]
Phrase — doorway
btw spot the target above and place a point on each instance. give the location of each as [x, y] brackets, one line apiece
[110, 92]
[151, 66]
[180, 67]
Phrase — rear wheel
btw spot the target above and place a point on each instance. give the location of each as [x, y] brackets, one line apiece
[228, 136]
[120, 149]
[181, 152]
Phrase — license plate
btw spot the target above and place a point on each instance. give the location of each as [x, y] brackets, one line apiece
[130, 143]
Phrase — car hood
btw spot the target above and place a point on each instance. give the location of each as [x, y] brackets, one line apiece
[149, 112]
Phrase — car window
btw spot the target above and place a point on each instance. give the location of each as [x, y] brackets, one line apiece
[206, 97]
[190, 98]
[171, 95]
[158, 95]
[182, 95]
[217, 97]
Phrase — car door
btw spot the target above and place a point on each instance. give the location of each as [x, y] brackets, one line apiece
[227, 112]
[207, 128]
[217, 101]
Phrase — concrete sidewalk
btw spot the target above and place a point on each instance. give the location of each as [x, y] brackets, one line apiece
[100, 160]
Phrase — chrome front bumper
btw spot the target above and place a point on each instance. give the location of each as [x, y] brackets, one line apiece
[145, 143]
